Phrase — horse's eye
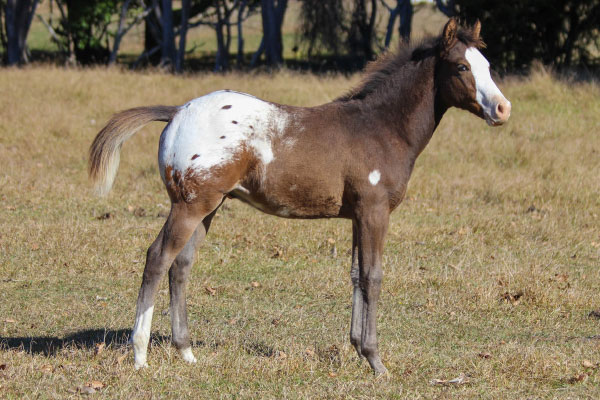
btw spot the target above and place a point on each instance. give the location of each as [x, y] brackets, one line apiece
[462, 68]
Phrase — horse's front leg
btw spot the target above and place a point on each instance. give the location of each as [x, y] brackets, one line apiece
[371, 224]
[357, 296]
[178, 277]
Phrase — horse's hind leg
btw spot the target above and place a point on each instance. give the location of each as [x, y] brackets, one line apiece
[177, 231]
[178, 276]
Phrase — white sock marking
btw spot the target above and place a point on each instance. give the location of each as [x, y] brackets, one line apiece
[141, 337]
[188, 356]
[374, 177]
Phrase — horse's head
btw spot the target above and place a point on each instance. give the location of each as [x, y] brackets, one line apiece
[463, 75]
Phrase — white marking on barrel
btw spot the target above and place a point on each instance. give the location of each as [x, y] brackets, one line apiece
[374, 177]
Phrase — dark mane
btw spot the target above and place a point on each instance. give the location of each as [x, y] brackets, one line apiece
[379, 72]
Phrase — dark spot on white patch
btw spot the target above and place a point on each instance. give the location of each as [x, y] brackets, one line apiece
[234, 122]
[251, 127]
[222, 137]
[195, 156]
[227, 107]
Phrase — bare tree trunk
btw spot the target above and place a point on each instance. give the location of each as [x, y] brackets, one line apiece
[70, 55]
[3, 41]
[168, 35]
[272, 19]
[446, 8]
[258, 52]
[113, 54]
[240, 41]
[406, 14]
[390, 26]
[222, 58]
[185, 9]
[18, 17]
[360, 37]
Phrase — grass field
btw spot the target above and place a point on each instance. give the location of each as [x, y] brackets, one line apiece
[491, 263]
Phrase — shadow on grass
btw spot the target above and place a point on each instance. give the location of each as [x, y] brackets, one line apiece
[85, 339]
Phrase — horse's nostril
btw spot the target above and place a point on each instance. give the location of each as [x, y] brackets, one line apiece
[503, 110]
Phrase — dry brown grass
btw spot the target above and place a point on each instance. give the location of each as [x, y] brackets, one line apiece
[491, 265]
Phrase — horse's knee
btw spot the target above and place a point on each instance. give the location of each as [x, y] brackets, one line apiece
[185, 258]
[154, 262]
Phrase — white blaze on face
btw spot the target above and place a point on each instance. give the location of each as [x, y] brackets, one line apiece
[374, 177]
[488, 95]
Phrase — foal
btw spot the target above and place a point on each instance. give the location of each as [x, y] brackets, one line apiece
[350, 158]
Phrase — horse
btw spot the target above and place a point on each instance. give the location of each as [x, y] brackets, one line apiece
[350, 158]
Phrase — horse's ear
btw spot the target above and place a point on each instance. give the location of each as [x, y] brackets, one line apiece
[477, 29]
[449, 35]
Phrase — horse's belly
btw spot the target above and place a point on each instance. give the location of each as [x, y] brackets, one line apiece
[291, 201]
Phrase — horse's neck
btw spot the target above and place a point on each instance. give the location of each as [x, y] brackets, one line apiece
[407, 106]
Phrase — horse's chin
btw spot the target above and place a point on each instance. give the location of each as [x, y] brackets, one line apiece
[492, 122]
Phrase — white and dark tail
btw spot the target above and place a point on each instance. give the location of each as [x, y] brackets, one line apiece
[104, 151]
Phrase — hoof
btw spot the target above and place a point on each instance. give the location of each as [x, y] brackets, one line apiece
[382, 373]
[188, 356]
[140, 365]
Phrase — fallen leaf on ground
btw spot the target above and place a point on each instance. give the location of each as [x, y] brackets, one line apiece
[210, 291]
[2, 367]
[281, 355]
[577, 378]
[121, 358]
[588, 364]
[104, 216]
[255, 284]
[332, 374]
[95, 385]
[309, 353]
[277, 253]
[139, 212]
[459, 380]
[10, 321]
[99, 348]
[485, 355]
[47, 368]
[512, 298]
[86, 390]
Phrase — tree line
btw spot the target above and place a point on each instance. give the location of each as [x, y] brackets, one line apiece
[562, 33]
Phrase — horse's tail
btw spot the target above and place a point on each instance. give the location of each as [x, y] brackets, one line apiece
[104, 151]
